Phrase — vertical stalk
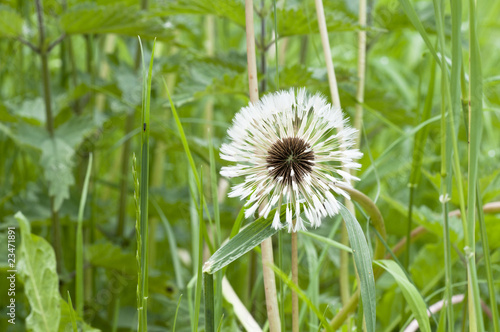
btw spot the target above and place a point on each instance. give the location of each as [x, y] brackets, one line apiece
[475, 131]
[295, 280]
[56, 227]
[267, 245]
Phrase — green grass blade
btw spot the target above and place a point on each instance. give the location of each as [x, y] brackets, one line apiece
[172, 243]
[144, 191]
[176, 312]
[197, 299]
[363, 262]
[303, 296]
[413, 17]
[247, 239]
[72, 314]
[475, 133]
[327, 241]
[183, 135]
[79, 242]
[410, 293]
[208, 281]
[487, 262]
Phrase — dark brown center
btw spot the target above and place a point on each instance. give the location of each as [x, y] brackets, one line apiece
[287, 154]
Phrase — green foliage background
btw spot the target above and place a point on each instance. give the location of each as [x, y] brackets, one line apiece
[95, 87]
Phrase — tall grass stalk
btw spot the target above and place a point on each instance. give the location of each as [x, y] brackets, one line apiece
[267, 245]
[79, 242]
[142, 250]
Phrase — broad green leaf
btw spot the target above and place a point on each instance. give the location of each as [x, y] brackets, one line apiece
[11, 23]
[363, 261]
[57, 163]
[120, 19]
[32, 109]
[247, 239]
[37, 267]
[410, 292]
[234, 10]
[110, 256]
[73, 131]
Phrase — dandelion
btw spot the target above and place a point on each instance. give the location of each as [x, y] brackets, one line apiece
[292, 149]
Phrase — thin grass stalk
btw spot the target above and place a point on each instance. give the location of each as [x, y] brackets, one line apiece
[266, 246]
[218, 232]
[199, 276]
[360, 88]
[79, 242]
[144, 188]
[334, 92]
[487, 263]
[475, 131]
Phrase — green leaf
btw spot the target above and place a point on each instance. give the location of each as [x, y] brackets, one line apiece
[37, 267]
[110, 256]
[57, 163]
[74, 130]
[363, 261]
[11, 23]
[120, 19]
[234, 10]
[247, 239]
[410, 292]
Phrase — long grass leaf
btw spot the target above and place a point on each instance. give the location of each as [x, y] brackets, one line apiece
[410, 293]
[363, 262]
[79, 242]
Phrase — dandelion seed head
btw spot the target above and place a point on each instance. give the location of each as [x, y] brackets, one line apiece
[290, 148]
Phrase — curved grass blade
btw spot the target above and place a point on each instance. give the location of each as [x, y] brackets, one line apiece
[247, 239]
[363, 262]
[410, 293]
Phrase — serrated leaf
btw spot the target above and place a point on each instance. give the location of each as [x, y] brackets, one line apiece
[74, 130]
[234, 10]
[37, 267]
[110, 256]
[57, 163]
[117, 18]
[363, 261]
[410, 293]
[293, 21]
[11, 23]
[247, 239]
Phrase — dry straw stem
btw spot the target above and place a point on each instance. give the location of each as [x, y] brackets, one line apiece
[267, 245]
[334, 91]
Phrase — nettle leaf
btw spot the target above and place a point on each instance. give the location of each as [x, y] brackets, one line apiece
[110, 256]
[295, 22]
[37, 267]
[32, 109]
[57, 163]
[74, 130]
[117, 18]
[11, 23]
[234, 10]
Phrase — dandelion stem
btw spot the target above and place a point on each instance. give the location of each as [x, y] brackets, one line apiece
[267, 245]
[295, 280]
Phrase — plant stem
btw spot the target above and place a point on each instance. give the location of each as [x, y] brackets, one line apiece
[295, 280]
[56, 227]
[267, 245]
